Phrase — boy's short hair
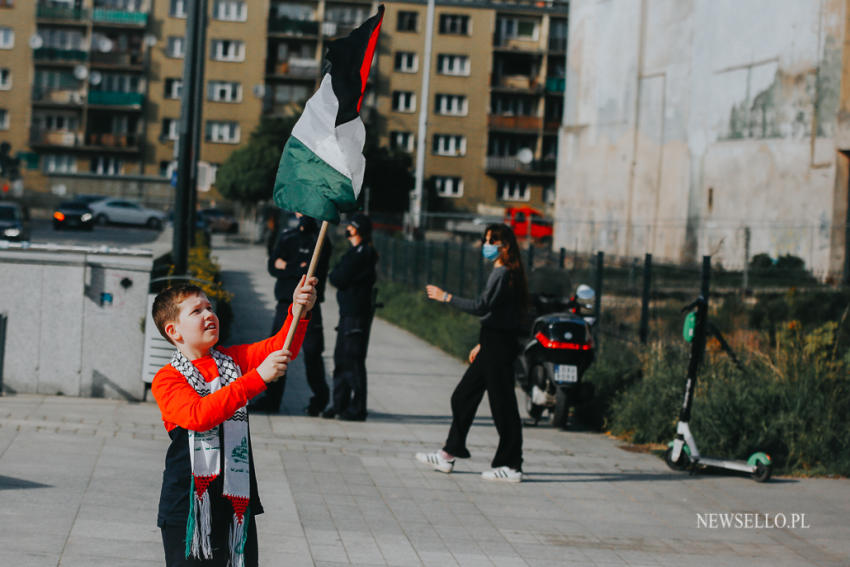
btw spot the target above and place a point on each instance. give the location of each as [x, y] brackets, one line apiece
[166, 306]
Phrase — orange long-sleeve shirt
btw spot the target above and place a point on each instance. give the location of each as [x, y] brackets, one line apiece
[180, 404]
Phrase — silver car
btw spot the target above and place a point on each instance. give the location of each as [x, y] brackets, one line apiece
[124, 211]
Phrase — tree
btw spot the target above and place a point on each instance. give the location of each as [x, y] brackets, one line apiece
[247, 176]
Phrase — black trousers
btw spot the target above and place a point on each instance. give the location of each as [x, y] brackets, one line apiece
[492, 371]
[311, 350]
[349, 395]
[174, 542]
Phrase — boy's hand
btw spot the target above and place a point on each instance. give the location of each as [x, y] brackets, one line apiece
[474, 353]
[305, 293]
[274, 366]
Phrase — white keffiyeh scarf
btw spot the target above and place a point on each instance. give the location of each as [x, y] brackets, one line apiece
[204, 451]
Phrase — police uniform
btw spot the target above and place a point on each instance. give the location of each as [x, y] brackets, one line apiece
[295, 247]
[354, 276]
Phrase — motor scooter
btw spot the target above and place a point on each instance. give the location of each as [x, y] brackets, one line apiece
[556, 354]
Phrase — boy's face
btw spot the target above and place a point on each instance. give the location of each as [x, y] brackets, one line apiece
[197, 324]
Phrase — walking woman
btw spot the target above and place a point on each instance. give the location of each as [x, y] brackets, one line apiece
[501, 307]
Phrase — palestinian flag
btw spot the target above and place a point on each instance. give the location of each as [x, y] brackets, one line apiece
[321, 170]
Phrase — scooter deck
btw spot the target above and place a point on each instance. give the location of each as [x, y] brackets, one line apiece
[724, 464]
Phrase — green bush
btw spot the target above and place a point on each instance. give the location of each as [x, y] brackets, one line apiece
[441, 325]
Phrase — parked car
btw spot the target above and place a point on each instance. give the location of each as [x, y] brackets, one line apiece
[123, 211]
[528, 222]
[219, 220]
[73, 214]
[14, 222]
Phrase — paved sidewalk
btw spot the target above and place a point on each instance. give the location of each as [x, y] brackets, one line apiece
[79, 480]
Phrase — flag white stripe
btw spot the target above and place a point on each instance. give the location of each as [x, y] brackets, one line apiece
[340, 147]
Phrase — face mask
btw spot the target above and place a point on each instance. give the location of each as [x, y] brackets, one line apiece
[490, 251]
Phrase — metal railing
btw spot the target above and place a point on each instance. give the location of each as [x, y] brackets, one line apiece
[57, 54]
[119, 17]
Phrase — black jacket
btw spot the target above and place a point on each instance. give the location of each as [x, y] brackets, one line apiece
[295, 246]
[353, 278]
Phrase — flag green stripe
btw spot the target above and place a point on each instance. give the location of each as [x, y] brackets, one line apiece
[307, 184]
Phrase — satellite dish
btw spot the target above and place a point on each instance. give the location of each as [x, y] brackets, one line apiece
[95, 78]
[80, 72]
[104, 44]
[525, 156]
[36, 42]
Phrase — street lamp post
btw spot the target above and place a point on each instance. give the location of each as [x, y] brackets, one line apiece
[416, 201]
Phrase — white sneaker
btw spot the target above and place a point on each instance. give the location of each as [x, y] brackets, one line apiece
[502, 474]
[436, 460]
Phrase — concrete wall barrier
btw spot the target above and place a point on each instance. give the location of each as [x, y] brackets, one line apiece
[75, 319]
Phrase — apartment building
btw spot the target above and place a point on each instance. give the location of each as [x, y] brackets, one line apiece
[495, 99]
[94, 87]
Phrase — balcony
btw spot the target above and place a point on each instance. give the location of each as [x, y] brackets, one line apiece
[337, 29]
[511, 165]
[514, 44]
[119, 17]
[288, 26]
[128, 142]
[53, 55]
[295, 68]
[118, 59]
[62, 95]
[61, 13]
[55, 138]
[500, 122]
[556, 84]
[517, 83]
[112, 98]
[558, 44]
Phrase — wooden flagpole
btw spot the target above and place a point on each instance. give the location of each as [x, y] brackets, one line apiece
[297, 308]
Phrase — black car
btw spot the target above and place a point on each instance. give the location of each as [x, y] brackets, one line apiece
[14, 222]
[73, 214]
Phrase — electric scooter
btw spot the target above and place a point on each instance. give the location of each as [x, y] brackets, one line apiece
[682, 453]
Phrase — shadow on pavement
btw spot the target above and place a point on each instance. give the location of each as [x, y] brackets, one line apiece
[571, 477]
[11, 483]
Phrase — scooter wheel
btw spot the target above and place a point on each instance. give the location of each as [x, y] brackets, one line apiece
[681, 464]
[561, 410]
[762, 472]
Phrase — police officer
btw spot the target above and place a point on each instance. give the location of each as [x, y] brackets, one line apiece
[289, 261]
[354, 276]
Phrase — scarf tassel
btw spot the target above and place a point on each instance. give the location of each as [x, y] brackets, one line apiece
[199, 527]
[239, 531]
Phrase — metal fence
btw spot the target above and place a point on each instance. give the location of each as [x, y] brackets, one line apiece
[642, 299]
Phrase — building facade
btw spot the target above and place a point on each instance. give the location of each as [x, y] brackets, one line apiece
[92, 88]
[706, 127]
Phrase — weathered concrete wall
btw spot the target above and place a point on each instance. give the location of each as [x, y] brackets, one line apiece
[688, 122]
[61, 338]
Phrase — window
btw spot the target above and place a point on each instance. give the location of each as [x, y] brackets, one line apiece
[404, 101]
[290, 93]
[513, 190]
[407, 21]
[453, 65]
[7, 38]
[61, 38]
[7, 3]
[448, 186]
[169, 129]
[118, 83]
[176, 46]
[4, 119]
[167, 168]
[406, 62]
[59, 163]
[104, 165]
[454, 24]
[230, 10]
[518, 28]
[449, 145]
[5, 79]
[294, 11]
[173, 88]
[223, 91]
[55, 121]
[512, 105]
[177, 8]
[402, 141]
[228, 50]
[222, 132]
[455, 105]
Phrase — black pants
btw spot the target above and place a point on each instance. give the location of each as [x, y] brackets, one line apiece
[349, 395]
[174, 542]
[493, 372]
[311, 350]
